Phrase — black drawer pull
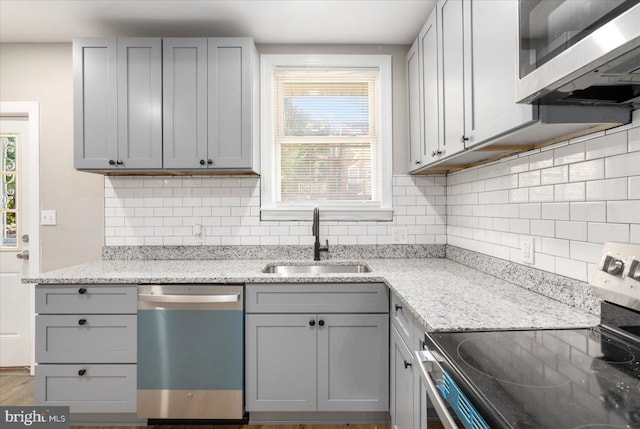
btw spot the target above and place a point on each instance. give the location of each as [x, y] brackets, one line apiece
[398, 307]
[312, 323]
[82, 291]
[407, 364]
[82, 372]
[321, 322]
[82, 322]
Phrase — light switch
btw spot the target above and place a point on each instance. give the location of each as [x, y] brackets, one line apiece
[48, 217]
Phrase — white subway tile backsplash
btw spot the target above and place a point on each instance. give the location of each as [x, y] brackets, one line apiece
[571, 230]
[608, 145]
[554, 175]
[570, 192]
[544, 228]
[623, 165]
[634, 187]
[623, 211]
[634, 139]
[603, 232]
[589, 170]
[571, 268]
[530, 178]
[540, 160]
[608, 189]
[541, 193]
[554, 247]
[592, 211]
[587, 252]
[569, 154]
[555, 211]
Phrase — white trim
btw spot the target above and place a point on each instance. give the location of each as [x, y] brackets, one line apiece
[31, 109]
[268, 63]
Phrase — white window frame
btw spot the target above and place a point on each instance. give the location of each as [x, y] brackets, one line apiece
[303, 211]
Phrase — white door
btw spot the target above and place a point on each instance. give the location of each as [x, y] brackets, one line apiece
[15, 298]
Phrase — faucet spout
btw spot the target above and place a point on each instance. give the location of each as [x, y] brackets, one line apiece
[315, 230]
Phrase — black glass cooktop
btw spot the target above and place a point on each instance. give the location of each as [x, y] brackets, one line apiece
[578, 378]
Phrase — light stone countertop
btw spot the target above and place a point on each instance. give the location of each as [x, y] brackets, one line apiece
[444, 295]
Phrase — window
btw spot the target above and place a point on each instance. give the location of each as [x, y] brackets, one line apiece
[8, 192]
[326, 136]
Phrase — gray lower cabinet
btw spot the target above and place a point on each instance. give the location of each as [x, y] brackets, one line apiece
[86, 348]
[117, 104]
[307, 358]
[402, 379]
[87, 388]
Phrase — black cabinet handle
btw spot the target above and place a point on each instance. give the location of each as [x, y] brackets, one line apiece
[209, 161]
[82, 372]
[119, 162]
[202, 162]
[112, 162]
[82, 291]
[82, 322]
[407, 364]
[321, 322]
[312, 323]
[398, 307]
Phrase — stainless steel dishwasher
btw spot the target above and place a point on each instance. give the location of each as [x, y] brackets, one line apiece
[190, 352]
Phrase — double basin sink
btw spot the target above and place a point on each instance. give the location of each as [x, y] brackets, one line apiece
[343, 268]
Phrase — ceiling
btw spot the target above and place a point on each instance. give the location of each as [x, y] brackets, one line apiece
[267, 21]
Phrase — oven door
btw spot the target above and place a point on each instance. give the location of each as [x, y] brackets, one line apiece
[451, 407]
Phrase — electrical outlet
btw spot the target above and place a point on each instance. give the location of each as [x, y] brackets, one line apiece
[48, 217]
[399, 235]
[198, 233]
[528, 250]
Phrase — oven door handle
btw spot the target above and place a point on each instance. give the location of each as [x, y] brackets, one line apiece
[190, 299]
[424, 356]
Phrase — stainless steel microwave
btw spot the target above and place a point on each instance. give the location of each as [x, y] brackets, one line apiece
[579, 52]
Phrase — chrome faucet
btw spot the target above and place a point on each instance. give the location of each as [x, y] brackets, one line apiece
[315, 230]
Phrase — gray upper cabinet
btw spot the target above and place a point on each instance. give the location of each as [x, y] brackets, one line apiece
[231, 114]
[184, 66]
[451, 83]
[161, 105]
[490, 71]
[208, 104]
[95, 103]
[117, 103]
[429, 96]
[414, 111]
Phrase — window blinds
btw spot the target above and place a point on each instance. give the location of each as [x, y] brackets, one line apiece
[327, 136]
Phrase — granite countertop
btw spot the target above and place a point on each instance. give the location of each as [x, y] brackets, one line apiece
[444, 295]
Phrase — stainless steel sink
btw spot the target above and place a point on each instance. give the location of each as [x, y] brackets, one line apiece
[316, 269]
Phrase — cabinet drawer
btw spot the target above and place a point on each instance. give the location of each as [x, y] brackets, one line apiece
[86, 299]
[86, 338]
[317, 298]
[101, 388]
[402, 319]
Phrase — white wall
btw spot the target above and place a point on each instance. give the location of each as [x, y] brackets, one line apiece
[571, 197]
[43, 73]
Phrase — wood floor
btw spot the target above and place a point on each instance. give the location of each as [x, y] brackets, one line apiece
[16, 388]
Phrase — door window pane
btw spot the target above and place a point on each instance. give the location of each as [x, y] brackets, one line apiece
[9, 192]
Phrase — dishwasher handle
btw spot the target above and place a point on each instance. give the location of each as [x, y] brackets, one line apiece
[189, 299]
[424, 358]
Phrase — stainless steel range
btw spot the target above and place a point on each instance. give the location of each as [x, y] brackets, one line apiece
[565, 378]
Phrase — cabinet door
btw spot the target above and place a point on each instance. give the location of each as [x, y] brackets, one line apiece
[491, 70]
[414, 111]
[451, 54]
[353, 362]
[402, 379]
[94, 103]
[87, 388]
[230, 115]
[140, 103]
[184, 66]
[428, 46]
[280, 357]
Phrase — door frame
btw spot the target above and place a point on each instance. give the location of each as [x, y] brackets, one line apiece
[31, 110]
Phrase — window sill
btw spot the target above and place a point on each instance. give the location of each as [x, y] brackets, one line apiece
[347, 214]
